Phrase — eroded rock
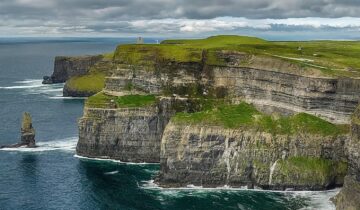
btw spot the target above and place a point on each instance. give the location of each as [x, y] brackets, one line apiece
[27, 133]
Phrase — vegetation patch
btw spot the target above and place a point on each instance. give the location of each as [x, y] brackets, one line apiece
[102, 100]
[330, 58]
[93, 82]
[308, 170]
[108, 56]
[246, 115]
[135, 100]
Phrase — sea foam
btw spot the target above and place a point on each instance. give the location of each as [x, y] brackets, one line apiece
[113, 160]
[68, 144]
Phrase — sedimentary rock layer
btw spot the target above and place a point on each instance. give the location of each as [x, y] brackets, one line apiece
[214, 156]
[348, 198]
[126, 134]
[329, 98]
[67, 67]
[333, 99]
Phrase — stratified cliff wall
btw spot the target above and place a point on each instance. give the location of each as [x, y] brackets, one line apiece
[348, 197]
[213, 156]
[333, 99]
[266, 84]
[126, 134]
[67, 67]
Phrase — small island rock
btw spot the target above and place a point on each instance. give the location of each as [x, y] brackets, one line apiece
[27, 133]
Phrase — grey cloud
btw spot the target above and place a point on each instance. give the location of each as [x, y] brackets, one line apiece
[197, 9]
[120, 16]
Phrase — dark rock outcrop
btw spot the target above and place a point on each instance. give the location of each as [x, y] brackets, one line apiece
[67, 67]
[349, 196]
[70, 92]
[27, 133]
[126, 134]
[213, 156]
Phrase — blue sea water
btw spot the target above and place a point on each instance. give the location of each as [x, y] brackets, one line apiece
[51, 177]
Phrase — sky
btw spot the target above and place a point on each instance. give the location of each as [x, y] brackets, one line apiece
[271, 19]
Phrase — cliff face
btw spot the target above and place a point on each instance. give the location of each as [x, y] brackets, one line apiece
[348, 197]
[265, 83]
[126, 134]
[67, 67]
[329, 98]
[214, 156]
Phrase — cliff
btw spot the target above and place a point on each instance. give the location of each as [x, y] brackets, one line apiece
[67, 67]
[226, 110]
[83, 75]
[123, 130]
[265, 80]
[215, 148]
[348, 197]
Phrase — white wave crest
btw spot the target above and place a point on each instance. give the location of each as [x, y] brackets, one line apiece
[115, 161]
[319, 200]
[67, 98]
[28, 83]
[111, 172]
[35, 86]
[68, 144]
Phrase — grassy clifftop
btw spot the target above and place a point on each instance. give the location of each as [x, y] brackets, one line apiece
[245, 115]
[94, 80]
[331, 58]
[101, 100]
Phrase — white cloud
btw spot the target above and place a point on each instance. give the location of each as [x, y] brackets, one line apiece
[170, 26]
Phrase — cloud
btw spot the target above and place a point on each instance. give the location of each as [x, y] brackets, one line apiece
[87, 17]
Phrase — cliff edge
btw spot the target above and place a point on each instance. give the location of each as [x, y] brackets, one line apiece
[348, 197]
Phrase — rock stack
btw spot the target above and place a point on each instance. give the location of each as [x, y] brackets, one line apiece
[27, 131]
[27, 134]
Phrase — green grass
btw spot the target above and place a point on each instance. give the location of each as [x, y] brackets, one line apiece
[311, 170]
[92, 82]
[102, 100]
[108, 56]
[135, 100]
[245, 115]
[337, 58]
[150, 54]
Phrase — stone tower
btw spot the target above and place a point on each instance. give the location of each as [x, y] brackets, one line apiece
[139, 40]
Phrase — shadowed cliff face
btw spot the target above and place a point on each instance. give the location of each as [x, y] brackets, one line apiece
[67, 67]
[125, 134]
[348, 197]
[214, 156]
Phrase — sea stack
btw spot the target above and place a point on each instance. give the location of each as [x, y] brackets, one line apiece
[27, 131]
[27, 134]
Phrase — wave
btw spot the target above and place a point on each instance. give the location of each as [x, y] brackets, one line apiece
[67, 98]
[319, 200]
[113, 160]
[35, 86]
[111, 172]
[68, 144]
[28, 83]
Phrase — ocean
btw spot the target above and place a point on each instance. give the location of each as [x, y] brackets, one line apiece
[53, 177]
